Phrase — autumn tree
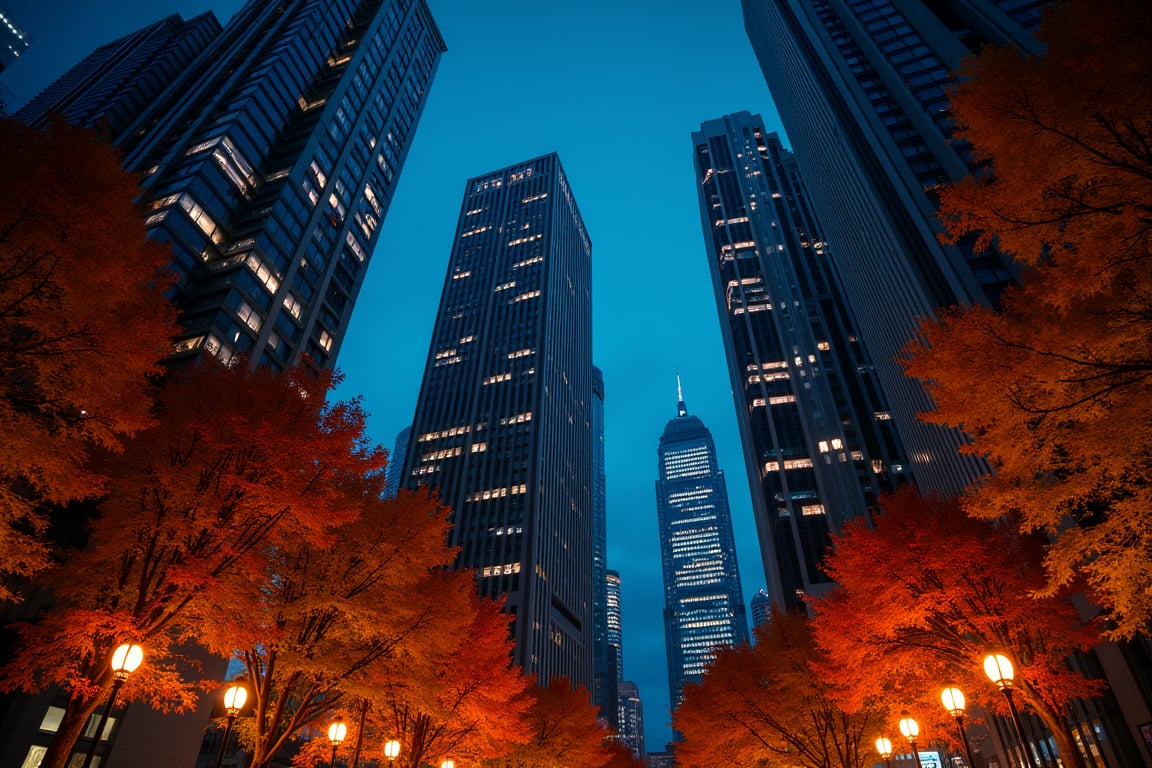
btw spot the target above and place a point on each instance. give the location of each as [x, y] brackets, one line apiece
[467, 704]
[1054, 385]
[328, 626]
[239, 463]
[926, 592]
[563, 731]
[769, 705]
[83, 323]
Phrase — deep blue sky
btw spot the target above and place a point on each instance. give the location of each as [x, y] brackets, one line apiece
[614, 86]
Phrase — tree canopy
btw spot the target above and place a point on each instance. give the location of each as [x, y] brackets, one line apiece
[925, 593]
[73, 370]
[1053, 385]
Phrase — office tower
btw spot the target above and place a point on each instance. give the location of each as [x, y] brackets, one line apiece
[761, 608]
[615, 619]
[111, 86]
[395, 470]
[503, 424]
[603, 659]
[703, 602]
[13, 41]
[817, 434]
[270, 157]
[861, 90]
[631, 717]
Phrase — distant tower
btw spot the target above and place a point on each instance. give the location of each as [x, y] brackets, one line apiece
[761, 608]
[819, 446]
[503, 426]
[615, 636]
[631, 717]
[13, 41]
[603, 660]
[703, 603]
[270, 151]
[395, 471]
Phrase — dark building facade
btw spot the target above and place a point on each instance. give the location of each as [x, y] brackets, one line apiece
[604, 659]
[818, 440]
[271, 150]
[503, 425]
[703, 600]
[860, 86]
[631, 717]
[13, 41]
[394, 473]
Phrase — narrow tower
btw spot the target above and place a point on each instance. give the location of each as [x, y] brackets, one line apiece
[703, 602]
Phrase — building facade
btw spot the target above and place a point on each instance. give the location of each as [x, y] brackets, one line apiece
[631, 718]
[271, 152]
[861, 88]
[503, 424]
[818, 440]
[394, 473]
[615, 625]
[13, 41]
[604, 659]
[703, 601]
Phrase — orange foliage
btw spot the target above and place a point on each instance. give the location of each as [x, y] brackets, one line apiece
[770, 705]
[241, 463]
[563, 731]
[1054, 386]
[925, 594]
[83, 322]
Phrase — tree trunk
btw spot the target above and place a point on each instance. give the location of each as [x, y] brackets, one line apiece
[76, 714]
[1061, 731]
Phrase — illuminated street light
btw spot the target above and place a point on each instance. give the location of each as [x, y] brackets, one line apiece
[910, 730]
[234, 698]
[953, 699]
[447, 764]
[999, 670]
[336, 733]
[391, 750]
[126, 659]
[884, 749]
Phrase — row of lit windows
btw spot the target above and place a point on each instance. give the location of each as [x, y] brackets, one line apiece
[452, 432]
[496, 493]
[500, 570]
[774, 466]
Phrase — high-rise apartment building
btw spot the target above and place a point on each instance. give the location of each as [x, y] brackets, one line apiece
[604, 661]
[861, 88]
[817, 433]
[631, 718]
[703, 601]
[615, 625]
[271, 151]
[503, 425]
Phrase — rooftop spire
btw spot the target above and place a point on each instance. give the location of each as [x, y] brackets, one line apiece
[681, 409]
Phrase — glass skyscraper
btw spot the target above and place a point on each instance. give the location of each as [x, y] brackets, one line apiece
[860, 86]
[271, 150]
[817, 434]
[604, 661]
[503, 425]
[703, 601]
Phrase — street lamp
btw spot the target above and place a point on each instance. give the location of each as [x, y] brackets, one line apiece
[911, 729]
[884, 747]
[391, 750]
[999, 670]
[125, 660]
[234, 698]
[447, 764]
[336, 733]
[953, 699]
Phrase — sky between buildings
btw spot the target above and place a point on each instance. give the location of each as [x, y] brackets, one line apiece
[615, 87]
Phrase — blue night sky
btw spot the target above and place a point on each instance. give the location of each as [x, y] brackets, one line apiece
[614, 86]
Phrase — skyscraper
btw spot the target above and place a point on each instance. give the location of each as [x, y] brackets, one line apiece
[703, 601]
[817, 433]
[271, 151]
[13, 41]
[604, 662]
[861, 90]
[631, 718]
[394, 473]
[503, 425]
[615, 623]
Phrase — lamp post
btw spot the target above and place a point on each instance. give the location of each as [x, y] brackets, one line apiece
[336, 733]
[447, 764]
[884, 748]
[953, 699]
[911, 729]
[234, 698]
[391, 750]
[125, 660]
[999, 670]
